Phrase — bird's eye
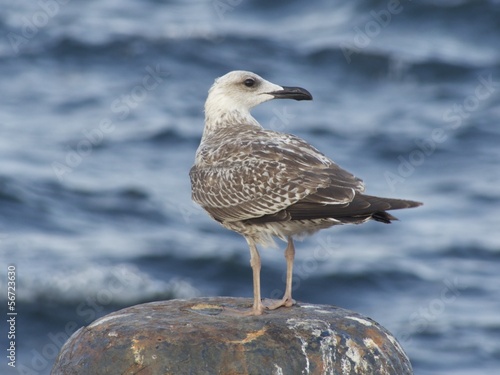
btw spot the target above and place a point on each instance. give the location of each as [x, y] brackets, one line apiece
[249, 82]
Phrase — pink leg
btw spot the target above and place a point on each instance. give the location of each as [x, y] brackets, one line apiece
[258, 307]
[287, 297]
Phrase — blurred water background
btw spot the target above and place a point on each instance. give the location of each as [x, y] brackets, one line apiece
[101, 112]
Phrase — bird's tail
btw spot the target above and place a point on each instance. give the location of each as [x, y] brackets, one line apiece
[371, 207]
[361, 208]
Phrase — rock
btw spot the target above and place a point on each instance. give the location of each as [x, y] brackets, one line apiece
[208, 336]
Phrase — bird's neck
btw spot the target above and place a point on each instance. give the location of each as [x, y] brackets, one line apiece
[221, 119]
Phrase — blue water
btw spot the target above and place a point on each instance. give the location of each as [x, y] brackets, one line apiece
[101, 113]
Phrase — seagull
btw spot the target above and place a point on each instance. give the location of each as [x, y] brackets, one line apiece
[265, 184]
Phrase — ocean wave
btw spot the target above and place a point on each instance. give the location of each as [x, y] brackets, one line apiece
[172, 136]
[46, 206]
[471, 251]
[120, 284]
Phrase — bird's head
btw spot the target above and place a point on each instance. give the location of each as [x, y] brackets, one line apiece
[239, 91]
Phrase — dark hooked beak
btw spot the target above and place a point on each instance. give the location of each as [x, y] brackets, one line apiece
[297, 93]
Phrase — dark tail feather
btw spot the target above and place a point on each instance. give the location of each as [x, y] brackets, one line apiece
[369, 206]
[384, 204]
[361, 208]
[383, 217]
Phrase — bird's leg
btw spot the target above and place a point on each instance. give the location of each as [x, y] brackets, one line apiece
[258, 307]
[287, 297]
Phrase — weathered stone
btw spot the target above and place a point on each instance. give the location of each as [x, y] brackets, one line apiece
[208, 336]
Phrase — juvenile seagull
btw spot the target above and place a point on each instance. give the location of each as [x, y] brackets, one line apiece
[264, 184]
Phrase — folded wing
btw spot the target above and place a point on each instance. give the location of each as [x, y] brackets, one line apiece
[263, 173]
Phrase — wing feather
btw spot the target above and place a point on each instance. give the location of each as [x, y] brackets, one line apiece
[259, 172]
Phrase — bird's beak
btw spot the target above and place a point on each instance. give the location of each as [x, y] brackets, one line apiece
[297, 93]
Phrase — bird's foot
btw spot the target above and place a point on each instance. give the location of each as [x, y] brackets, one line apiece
[259, 308]
[285, 302]
[256, 310]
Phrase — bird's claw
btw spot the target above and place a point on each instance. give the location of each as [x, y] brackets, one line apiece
[285, 302]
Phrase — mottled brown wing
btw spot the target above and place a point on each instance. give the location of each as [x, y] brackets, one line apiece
[249, 177]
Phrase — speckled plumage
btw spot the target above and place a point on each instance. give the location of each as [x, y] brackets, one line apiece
[264, 184]
[246, 173]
